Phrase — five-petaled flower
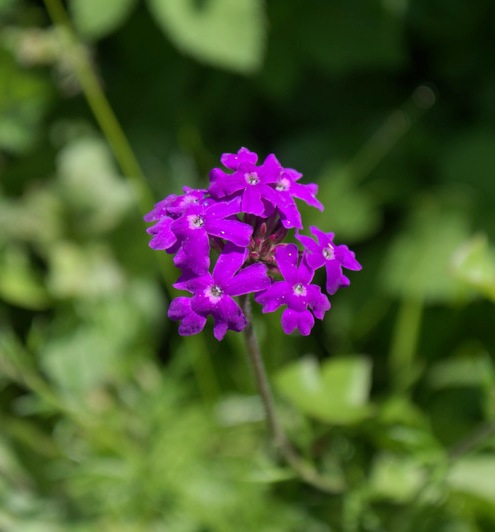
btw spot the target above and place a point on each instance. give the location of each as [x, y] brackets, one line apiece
[243, 218]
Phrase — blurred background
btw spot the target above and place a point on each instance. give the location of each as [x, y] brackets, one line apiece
[109, 420]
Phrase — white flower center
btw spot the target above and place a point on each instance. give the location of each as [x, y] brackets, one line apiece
[328, 252]
[299, 289]
[195, 221]
[252, 178]
[283, 184]
[188, 200]
[214, 293]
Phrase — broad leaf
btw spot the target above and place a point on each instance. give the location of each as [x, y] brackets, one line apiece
[225, 33]
[95, 19]
[337, 392]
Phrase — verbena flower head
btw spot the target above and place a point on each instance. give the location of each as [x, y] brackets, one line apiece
[240, 222]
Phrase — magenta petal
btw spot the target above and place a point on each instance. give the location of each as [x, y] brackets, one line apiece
[195, 253]
[290, 215]
[237, 232]
[160, 209]
[307, 193]
[305, 273]
[274, 297]
[334, 275]
[292, 320]
[222, 209]
[251, 279]
[323, 238]
[233, 160]
[180, 310]
[163, 236]
[347, 258]
[308, 243]
[251, 200]
[230, 312]
[287, 257]
[317, 301]
[229, 261]
[220, 329]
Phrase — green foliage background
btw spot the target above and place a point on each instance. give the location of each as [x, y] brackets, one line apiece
[109, 420]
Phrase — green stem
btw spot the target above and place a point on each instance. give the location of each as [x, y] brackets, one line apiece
[472, 440]
[100, 107]
[305, 470]
[124, 155]
[404, 341]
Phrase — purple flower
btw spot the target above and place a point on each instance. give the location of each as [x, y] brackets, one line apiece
[334, 258]
[243, 218]
[213, 293]
[233, 160]
[180, 310]
[202, 220]
[286, 183]
[295, 291]
[163, 236]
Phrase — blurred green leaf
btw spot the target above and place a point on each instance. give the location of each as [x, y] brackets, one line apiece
[91, 184]
[95, 19]
[221, 32]
[470, 159]
[84, 272]
[474, 264]
[337, 392]
[475, 476]
[23, 99]
[475, 370]
[20, 284]
[350, 211]
[418, 265]
[395, 478]
[346, 35]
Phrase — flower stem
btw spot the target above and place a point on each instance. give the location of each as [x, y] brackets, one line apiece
[102, 111]
[121, 148]
[304, 469]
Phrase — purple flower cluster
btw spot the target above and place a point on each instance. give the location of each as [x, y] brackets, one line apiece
[243, 218]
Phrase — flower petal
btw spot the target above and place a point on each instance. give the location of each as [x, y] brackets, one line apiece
[163, 236]
[251, 200]
[233, 230]
[251, 279]
[180, 310]
[347, 258]
[317, 301]
[233, 160]
[292, 320]
[274, 297]
[287, 257]
[229, 261]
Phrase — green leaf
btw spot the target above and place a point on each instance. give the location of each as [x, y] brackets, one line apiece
[337, 392]
[475, 370]
[95, 19]
[23, 100]
[475, 476]
[353, 214]
[395, 478]
[19, 282]
[418, 264]
[224, 33]
[474, 264]
[346, 35]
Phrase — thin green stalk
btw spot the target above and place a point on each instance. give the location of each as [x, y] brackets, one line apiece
[472, 440]
[100, 107]
[395, 126]
[124, 155]
[405, 340]
[304, 469]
